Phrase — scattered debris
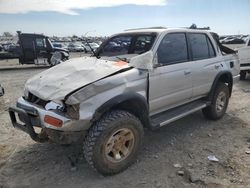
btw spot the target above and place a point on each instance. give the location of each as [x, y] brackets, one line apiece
[247, 151]
[180, 173]
[191, 156]
[73, 169]
[246, 90]
[158, 184]
[156, 156]
[190, 165]
[177, 165]
[194, 178]
[212, 158]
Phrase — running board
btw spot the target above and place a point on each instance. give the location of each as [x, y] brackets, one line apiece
[174, 114]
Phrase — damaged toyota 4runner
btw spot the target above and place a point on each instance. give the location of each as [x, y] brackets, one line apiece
[144, 78]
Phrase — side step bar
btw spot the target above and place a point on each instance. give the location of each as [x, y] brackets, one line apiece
[174, 114]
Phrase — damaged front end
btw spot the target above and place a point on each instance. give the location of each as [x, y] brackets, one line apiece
[64, 105]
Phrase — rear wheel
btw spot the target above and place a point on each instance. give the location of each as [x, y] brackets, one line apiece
[219, 103]
[243, 75]
[113, 142]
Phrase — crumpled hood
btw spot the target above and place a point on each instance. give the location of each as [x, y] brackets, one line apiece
[56, 82]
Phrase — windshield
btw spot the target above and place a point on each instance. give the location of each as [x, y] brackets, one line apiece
[127, 44]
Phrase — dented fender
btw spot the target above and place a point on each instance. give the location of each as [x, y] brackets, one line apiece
[93, 96]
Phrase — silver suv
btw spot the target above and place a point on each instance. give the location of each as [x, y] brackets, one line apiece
[136, 79]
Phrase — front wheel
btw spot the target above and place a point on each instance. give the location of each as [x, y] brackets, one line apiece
[113, 142]
[219, 103]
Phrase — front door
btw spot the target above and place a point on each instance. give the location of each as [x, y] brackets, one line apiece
[170, 84]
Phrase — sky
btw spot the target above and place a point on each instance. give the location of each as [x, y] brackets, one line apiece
[106, 17]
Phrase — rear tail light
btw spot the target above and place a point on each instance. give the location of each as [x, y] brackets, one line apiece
[53, 121]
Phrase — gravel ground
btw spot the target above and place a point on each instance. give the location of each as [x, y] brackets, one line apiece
[173, 156]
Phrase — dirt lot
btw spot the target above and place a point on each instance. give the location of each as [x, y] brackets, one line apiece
[181, 146]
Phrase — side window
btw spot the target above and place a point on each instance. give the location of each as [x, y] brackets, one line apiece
[210, 48]
[173, 49]
[199, 46]
[40, 43]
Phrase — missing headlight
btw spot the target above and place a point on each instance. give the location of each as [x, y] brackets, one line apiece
[72, 111]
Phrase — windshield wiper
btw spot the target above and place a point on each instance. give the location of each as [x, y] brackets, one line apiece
[92, 50]
[122, 59]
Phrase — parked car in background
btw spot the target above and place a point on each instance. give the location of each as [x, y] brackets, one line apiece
[34, 49]
[232, 40]
[6, 46]
[72, 47]
[14, 48]
[59, 45]
[1, 91]
[244, 56]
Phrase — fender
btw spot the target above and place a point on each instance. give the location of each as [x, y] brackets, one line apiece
[226, 77]
[132, 102]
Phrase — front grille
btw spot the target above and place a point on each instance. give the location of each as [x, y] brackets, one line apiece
[36, 100]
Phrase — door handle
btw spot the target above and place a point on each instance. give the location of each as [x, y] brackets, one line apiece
[231, 64]
[216, 66]
[187, 72]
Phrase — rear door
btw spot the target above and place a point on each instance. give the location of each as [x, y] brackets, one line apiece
[206, 63]
[170, 84]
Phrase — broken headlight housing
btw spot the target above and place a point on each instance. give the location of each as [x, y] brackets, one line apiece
[55, 105]
[72, 111]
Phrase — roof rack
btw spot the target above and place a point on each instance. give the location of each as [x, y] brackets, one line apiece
[194, 26]
[146, 28]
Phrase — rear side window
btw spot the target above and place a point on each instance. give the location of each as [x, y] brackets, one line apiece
[173, 49]
[210, 48]
[201, 46]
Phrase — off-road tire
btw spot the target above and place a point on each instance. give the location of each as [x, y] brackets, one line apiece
[211, 111]
[101, 131]
[243, 75]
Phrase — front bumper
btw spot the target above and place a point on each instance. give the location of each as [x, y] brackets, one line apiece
[27, 126]
[25, 116]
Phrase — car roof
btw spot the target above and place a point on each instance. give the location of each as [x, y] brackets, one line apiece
[161, 30]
